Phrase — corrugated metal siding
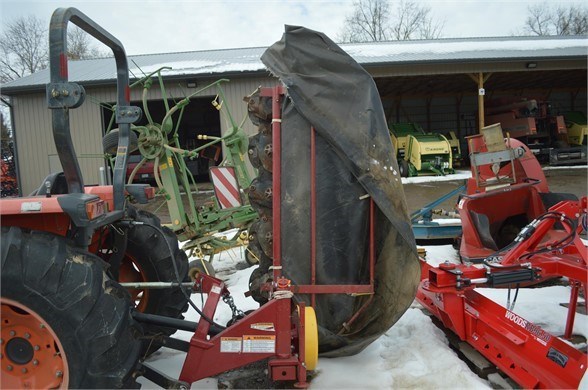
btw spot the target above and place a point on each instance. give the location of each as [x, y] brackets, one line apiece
[32, 122]
[239, 89]
[37, 155]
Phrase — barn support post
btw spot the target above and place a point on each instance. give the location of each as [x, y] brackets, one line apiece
[480, 79]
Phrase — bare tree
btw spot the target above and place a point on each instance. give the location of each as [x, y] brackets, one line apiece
[431, 28]
[369, 21]
[373, 20]
[572, 20]
[4, 130]
[24, 48]
[539, 19]
[80, 45]
[414, 21]
[543, 19]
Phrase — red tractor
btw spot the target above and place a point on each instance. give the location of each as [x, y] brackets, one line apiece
[66, 322]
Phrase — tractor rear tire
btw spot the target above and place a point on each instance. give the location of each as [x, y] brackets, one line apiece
[148, 259]
[64, 322]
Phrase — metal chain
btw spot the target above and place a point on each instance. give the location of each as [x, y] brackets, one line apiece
[228, 299]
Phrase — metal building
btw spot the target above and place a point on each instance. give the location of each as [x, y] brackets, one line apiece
[440, 84]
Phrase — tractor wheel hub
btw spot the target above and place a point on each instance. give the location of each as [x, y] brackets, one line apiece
[19, 350]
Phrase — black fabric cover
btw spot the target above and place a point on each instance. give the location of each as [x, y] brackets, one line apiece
[327, 89]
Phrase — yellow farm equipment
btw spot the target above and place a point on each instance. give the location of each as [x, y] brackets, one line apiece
[421, 153]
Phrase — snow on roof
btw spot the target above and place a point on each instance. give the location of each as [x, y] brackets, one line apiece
[196, 67]
[247, 60]
[458, 48]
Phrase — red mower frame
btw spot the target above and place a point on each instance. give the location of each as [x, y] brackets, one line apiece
[291, 342]
[524, 351]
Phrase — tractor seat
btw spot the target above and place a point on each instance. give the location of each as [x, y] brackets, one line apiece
[58, 185]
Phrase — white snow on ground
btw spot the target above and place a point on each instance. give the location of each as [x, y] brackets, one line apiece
[458, 175]
[466, 174]
[564, 167]
[444, 221]
[412, 354]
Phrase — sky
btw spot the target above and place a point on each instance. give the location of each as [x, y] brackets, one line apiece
[158, 26]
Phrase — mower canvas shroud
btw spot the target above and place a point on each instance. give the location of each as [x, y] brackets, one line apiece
[328, 90]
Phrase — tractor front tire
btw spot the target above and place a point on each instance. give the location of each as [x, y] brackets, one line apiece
[153, 255]
[65, 324]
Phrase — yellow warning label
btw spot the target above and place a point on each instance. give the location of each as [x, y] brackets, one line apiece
[170, 161]
[230, 345]
[256, 337]
[259, 344]
[162, 166]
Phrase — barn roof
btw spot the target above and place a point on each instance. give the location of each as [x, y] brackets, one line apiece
[243, 61]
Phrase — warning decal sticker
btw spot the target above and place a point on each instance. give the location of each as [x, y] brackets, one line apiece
[215, 290]
[230, 344]
[267, 326]
[259, 344]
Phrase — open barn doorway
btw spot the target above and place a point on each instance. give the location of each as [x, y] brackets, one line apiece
[199, 118]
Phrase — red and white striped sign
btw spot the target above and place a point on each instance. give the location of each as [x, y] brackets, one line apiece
[226, 187]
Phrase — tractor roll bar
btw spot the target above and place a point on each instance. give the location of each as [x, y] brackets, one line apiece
[62, 95]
